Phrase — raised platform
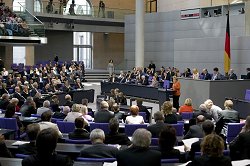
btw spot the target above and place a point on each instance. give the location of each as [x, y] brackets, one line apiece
[22, 40]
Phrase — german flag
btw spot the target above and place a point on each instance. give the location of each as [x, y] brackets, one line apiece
[227, 56]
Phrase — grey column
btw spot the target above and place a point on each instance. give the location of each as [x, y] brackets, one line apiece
[139, 33]
[247, 18]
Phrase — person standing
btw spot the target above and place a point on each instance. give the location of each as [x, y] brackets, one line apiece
[177, 92]
[101, 8]
[111, 67]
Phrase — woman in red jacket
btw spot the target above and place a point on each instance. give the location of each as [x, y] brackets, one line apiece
[177, 92]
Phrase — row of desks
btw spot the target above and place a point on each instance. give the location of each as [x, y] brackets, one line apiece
[140, 91]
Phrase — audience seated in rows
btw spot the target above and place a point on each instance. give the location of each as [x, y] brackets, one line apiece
[134, 118]
[28, 108]
[46, 142]
[142, 108]
[79, 132]
[202, 111]
[114, 137]
[139, 152]
[98, 148]
[61, 114]
[75, 113]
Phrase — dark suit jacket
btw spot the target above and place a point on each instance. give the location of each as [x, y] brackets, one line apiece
[241, 145]
[99, 150]
[68, 103]
[103, 116]
[3, 104]
[27, 110]
[28, 149]
[20, 98]
[205, 114]
[4, 151]
[135, 156]
[59, 115]
[195, 131]
[170, 119]
[195, 147]
[79, 134]
[233, 76]
[53, 160]
[208, 161]
[144, 109]
[155, 129]
[117, 138]
[170, 154]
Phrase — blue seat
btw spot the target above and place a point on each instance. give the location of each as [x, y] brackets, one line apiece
[21, 156]
[154, 141]
[11, 123]
[187, 115]
[179, 127]
[66, 127]
[103, 126]
[95, 159]
[247, 95]
[233, 129]
[169, 160]
[143, 114]
[54, 120]
[130, 128]
[225, 153]
[82, 141]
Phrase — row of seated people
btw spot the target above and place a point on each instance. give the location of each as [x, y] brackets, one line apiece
[211, 146]
[11, 24]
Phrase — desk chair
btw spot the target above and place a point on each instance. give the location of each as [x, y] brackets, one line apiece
[130, 128]
[65, 127]
[103, 126]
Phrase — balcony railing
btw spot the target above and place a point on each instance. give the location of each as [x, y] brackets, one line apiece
[78, 10]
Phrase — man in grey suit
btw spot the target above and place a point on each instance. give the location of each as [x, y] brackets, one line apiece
[196, 131]
[156, 128]
[98, 148]
[103, 115]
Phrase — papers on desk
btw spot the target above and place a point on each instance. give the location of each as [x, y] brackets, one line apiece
[110, 164]
[185, 163]
[29, 118]
[17, 143]
[189, 142]
[241, 162]
[180, 148]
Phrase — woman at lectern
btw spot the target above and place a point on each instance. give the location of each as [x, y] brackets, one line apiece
[177, 92]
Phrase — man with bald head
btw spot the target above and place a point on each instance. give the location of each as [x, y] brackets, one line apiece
[103, 115]
[196, 131]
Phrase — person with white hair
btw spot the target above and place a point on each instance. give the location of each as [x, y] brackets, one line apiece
[139, 152]
[44, 108]
[99, 149]
[69, 101]
[213, 110]
[103, 115]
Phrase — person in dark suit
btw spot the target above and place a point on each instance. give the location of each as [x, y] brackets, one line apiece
[47, 89]
[139, 152]
[46, 142]
[195, 131]
[167, 141]
[61, 114]
[4, 101]
[114, 137]
[212, 148]
[229, 114]
[69, 101]
[79, 132]
[54, 104]
[98, 148]
[30, 148]
[4, 151]
[156, 128]
[35, 92]
[152, 66]
[28, 108]
[205, 75]
[142, 108]
[17, 94]
[103, 115]
[240, 146]
[232, 75]
[208, 128]
[85, 103]
[113, 78]
[248, 73]
[10, 113]
[78, 84]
